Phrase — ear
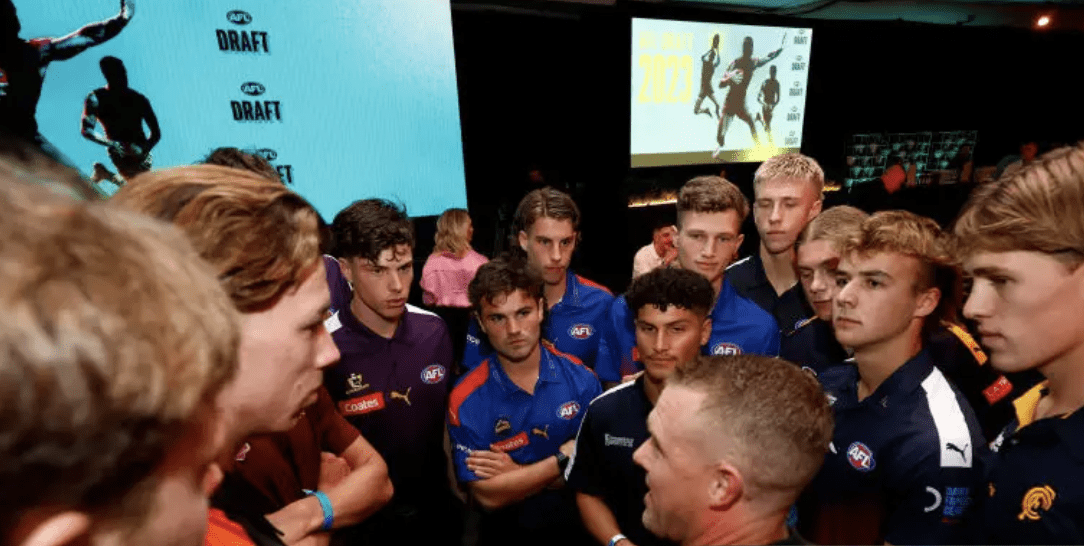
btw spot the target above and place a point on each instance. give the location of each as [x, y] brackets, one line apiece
[818, 205]
[347, 271]
[737, 248]
[58, 530]
[523, 238]
[705, 331]
[481, 325]
[927, 301]
[727, 486]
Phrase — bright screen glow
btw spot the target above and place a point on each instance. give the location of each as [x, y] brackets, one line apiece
[686, 75]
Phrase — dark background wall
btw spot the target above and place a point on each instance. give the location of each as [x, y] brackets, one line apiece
[550, 86]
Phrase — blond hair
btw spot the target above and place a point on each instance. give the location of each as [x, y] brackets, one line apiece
[115, 339]
[766, 409]
[791, 165]
[262, 238]
[711, 194]
[452, 233]
[1040, 209]
[918, 237]
[835, 225]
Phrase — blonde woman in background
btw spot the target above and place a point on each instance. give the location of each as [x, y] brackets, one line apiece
[448, 271]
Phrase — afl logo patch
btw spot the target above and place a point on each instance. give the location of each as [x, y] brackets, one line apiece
[581, 331]
[860, 457]
[239, 17]
[433, 374]
[726, 349]
[568, 410]
[253, 89]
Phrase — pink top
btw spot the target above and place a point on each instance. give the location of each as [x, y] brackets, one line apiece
[445, 278]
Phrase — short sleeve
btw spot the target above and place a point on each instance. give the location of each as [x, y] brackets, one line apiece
[619, 342]
[583, 473]
[475, 349]
[464, 440]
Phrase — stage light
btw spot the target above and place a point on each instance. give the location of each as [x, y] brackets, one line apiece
[1043, 21]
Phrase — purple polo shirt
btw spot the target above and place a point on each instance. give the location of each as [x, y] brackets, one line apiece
[395, 391]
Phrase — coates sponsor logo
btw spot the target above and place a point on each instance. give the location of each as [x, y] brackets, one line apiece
[239, 17]
[253, 89]
[726, 349]
[433, 374]
[581, 331]
[362, 404]
[270, 155]
[513, 443]
[860, 457]
[568, 410]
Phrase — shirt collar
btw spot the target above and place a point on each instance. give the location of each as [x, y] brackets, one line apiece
[402, 331]
[571, 296]
[1065, 427]
[902, 382]
[547, 370]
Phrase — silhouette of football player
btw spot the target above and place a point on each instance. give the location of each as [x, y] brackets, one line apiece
[768, 99]
[738, 75]
[121, 112]
[23, 64]
[709, 62]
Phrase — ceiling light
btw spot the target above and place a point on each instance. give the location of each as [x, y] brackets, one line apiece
[1043, 21]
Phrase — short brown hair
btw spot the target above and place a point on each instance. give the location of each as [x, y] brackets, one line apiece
[368, 227]
[711, 194]
[501, 276]
[791, 165]
[766, 409]
[115, 339]
[835, 225]
[452, 232]
[920, 238]
[228, 156]
[262, 238]
[1040, 209]
[545, 203]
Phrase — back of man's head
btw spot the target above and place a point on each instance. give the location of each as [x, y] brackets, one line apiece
[260, 237]
[765, 416]
[114, 342]
[368, 227]
[228, 156]
[918, 237]
[666, 287]
[707, 194]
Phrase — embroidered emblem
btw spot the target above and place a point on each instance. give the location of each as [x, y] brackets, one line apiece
[1037, 498]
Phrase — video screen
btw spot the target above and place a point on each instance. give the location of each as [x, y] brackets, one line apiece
[706, 93]
[347, 99]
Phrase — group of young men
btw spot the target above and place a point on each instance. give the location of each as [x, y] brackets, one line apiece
[229, 356]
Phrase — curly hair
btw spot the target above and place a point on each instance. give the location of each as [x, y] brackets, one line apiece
[368, 227]
[664, 287]
[501, 276]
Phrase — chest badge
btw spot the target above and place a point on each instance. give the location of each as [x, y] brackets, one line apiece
[543, 432]
[501, 426]
[726, 349]
[433, 374]
[581, 331]
[861, 457]
[404, 396]
[355, 384]
[568, 410]
[1037, 498]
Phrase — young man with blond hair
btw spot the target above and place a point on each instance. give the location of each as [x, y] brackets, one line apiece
[902, 462]
[787, 192]
[710, 212]
[117, 345]
[1022, 241]
[263, 240]
[734, 440]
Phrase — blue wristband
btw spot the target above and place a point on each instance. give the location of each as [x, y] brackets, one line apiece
[325, 505]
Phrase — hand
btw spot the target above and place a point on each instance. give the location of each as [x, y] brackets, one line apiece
[333, 470]
[670, 256]
[314, 539]
[295, 521]
[569, 447]
[487, 464]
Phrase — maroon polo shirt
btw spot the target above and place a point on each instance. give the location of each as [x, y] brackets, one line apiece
[395, 391]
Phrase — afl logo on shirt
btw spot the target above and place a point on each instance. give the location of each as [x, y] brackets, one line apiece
[581, 331]
[726, 349]
[860, 457]
[433, 374]
[568, 410]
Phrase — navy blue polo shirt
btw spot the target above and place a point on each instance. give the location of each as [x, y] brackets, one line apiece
[486, 409]
[1035, 489]
[902, 464]
[615, 425]
[813, 346]
[737, 326]
[574, 325]
[395, 391]
[790, 308]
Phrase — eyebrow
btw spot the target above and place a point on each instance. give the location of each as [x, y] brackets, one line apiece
[874, 274]
[987, 271]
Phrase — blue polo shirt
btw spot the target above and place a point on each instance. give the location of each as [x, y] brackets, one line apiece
[813, 346]
[901, 466]
[615, 425]
[394, 391]
[737, 326]
[573, 325]
[486, 408]
[1035, 488]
